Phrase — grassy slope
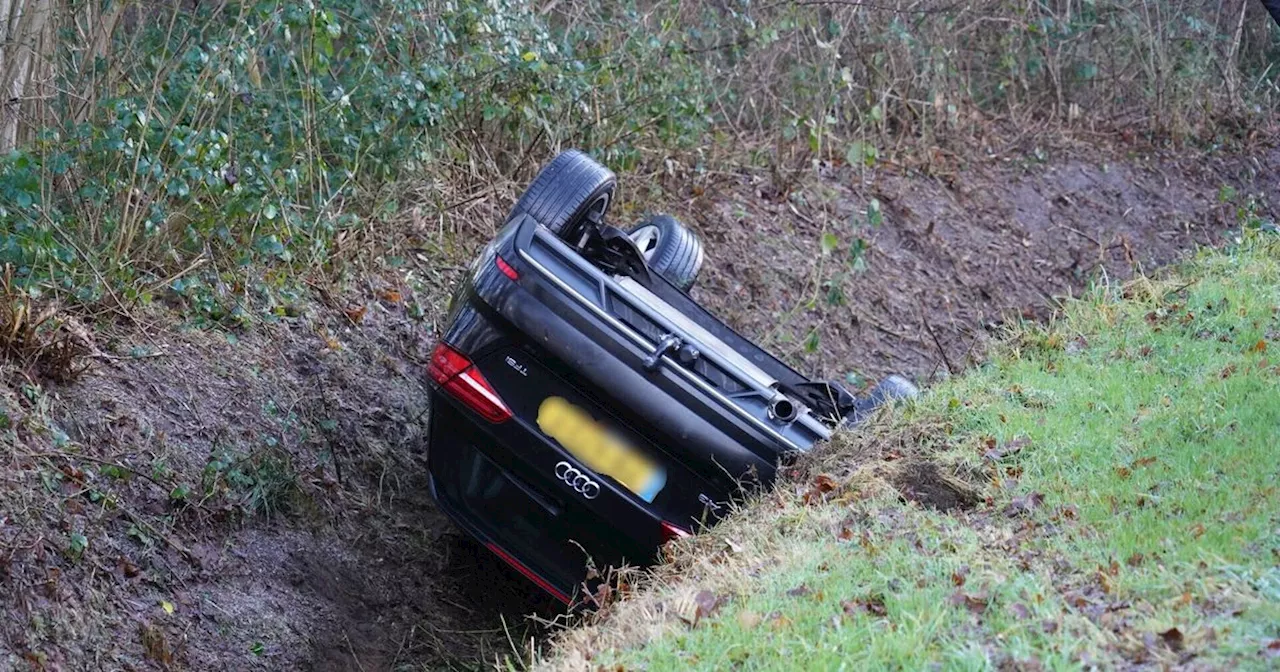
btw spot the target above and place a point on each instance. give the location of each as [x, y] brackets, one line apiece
[1138, 522]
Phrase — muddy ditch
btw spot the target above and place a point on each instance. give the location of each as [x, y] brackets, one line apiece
[200, 500]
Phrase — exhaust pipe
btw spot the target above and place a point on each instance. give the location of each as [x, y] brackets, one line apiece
[782, 410]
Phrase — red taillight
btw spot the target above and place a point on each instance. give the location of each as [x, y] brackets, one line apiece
[672, 531]
[529, 573]
[506, 268]
[460, 378]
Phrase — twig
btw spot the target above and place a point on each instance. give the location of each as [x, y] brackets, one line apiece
[114, 463]
[352, 649]
[111, 357]
[1079, 233]
[175, 545]
[924, 319]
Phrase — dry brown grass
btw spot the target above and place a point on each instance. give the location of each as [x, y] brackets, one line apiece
[37, 337]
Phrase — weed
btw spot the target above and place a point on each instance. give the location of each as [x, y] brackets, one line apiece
[263, 482]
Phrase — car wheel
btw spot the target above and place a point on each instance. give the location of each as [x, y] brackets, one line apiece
[568, 193]
[893, 388]
[671, 249]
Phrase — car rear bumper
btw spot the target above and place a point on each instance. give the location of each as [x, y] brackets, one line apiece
[498, 483]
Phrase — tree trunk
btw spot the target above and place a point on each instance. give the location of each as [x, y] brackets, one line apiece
[23, 28]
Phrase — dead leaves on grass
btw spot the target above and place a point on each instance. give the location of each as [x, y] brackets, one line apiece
[974, 602]
[996, 453]
[1173, 639]
[708, 603]
[818, 490]
[1023, 505]
[799, 591]
[872, 604]
[702, 605]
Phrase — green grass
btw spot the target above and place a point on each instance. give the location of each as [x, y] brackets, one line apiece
[1149, 418]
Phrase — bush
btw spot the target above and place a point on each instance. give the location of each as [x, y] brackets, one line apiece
[166, 149]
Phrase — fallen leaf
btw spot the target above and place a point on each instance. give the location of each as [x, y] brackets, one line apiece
[1049, 627]
[1227, 371]
[1123, 472]
[1009, 449]
[390, 296]
[127, 568]
[1143, 461]
[708, 603]
[167, 606]
[1135, 560]
[958, 576]
[874, 604]
[1260, 346]
[799, 591]
[777, 621]
[1272, 649]
[1024, 504]
[1020, 611]
[356, 314]
[748, 619]
[733, 546]
[975, 603]
[1105, 582]
[822, 484]
[1173, 639]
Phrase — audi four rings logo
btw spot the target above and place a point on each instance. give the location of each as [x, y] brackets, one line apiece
[580, 482]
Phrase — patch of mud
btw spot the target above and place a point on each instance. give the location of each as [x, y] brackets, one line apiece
[925, 484]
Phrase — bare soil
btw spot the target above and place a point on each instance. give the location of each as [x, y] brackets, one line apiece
[200, 500]
[957, 253]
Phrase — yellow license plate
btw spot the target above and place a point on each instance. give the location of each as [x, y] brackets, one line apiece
[603, 451]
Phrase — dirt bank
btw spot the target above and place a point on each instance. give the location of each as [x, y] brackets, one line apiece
[199, 500]
[955, 253]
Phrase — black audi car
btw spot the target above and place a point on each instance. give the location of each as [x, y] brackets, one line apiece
[584, 409]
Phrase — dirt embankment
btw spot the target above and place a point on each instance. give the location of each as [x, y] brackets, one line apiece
[957, 253]
[205, 501]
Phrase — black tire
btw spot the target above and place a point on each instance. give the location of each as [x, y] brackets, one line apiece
[567, 193]
[671, 249]
[893, 388]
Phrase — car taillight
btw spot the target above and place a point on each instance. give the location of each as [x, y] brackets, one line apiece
[506, 268]
[460, 378]
[672, 531]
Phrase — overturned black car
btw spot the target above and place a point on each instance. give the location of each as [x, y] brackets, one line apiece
[584, 409]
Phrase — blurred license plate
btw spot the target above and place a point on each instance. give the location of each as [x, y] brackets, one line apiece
[602, 450]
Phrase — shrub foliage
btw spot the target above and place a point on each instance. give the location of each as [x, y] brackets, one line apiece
[168, 147]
